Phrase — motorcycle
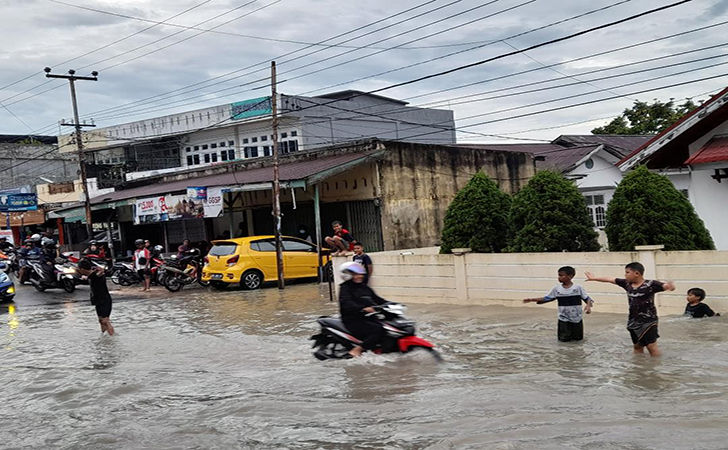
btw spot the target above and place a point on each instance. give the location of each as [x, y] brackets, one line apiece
[124, 273]
[63, 277]
[335, 341]
[9, 258]
[179, 272]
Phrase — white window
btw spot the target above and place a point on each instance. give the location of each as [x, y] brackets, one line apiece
[597, 209]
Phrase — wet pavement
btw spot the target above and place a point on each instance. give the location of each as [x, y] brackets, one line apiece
[219, 370]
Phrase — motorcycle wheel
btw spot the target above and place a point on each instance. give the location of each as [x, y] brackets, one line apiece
[126, 279]
[435, 354]
[38, 287]
[173, 284]
[69, 285]
[115, 278]
[203, 283]
[332, 350]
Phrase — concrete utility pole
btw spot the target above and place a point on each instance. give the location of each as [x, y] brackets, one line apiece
[276, 179]
[71, 77]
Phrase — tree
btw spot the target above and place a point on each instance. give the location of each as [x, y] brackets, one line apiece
[646, 118]
[647, 210]
[550, 215]
[477, 218]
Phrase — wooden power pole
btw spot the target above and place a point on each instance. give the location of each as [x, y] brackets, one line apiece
[276, 179]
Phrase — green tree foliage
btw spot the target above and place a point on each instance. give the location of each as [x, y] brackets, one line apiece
[647, 210]
[477, 218]
[550, 215]
[646, 118]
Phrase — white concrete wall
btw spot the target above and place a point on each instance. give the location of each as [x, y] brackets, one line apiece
[710, 200]
[506, 279]
[603, 175]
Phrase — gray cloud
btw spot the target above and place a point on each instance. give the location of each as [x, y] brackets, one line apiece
[40, 33]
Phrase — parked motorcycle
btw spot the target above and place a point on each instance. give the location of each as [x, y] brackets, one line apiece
[335, 341]
[179, 272]
[124, 273]
[62, 277]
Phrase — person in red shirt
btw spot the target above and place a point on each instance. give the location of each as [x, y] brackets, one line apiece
[342, 241]
[142, 263]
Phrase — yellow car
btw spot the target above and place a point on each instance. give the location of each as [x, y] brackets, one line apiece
[251, 261]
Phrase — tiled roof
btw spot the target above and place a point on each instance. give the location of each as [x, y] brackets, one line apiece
[555, 156]
[716, 150]
[295, 170]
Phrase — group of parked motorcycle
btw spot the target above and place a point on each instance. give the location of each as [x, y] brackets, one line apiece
[38, 263]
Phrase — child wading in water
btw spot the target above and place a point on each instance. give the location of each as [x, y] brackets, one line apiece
[695, 307]
[569, 297]
[642, 323]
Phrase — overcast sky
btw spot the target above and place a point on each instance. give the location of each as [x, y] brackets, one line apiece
[39, 33]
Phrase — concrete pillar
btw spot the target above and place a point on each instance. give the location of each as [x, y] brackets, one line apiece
[461, 273]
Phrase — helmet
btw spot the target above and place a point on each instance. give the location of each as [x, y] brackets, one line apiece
[93, 242]
[35, 237]
[158, 248]
[138, 242]
[351, 268]
[46, 241]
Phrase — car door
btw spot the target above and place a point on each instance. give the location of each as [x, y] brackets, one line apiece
[300, 258]
[263, 253]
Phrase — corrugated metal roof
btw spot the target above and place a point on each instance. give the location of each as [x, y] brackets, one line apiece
[716, 150]
[557, 157]
[624, 144]
[296, 170]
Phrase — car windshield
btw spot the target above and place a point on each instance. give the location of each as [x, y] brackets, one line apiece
[223, 249]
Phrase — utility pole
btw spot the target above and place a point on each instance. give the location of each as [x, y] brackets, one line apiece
[276, 178]
[71, 77]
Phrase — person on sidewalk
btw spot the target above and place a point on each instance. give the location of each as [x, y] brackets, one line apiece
[342, 242]
[363, 259]
[142, 263]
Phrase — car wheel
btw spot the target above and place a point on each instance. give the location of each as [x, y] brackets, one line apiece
[219, 285]
[328, 272]
[251, 280]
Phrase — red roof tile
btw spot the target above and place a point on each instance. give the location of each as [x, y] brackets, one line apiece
[716, 150]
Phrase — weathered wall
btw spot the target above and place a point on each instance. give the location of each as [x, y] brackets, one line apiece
[418, 183]
[23, 164]
[506, 279]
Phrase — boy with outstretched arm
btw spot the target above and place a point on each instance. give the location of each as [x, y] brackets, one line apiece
[569, 297]
[642, 322]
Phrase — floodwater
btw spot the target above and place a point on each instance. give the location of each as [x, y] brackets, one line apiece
[211, 370]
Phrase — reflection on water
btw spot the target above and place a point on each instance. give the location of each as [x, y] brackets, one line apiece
[206, 369]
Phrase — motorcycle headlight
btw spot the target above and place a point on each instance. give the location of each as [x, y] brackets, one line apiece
[11, 290]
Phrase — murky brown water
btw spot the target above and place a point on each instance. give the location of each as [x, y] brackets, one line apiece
[234, 370]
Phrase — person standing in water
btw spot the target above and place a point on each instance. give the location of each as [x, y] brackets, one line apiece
[100, 296]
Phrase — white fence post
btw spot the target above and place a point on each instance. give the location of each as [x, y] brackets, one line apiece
[647, 256]
[461, 273]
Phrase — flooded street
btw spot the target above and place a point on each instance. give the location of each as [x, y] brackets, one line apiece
[221, 370]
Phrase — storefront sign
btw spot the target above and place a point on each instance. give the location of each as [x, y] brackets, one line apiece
[152, 209]
[251, 108]
[18, 202]
[183, 207]
[197, 193]
[213, 202]
[20, 219]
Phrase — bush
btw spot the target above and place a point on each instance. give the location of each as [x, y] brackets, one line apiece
[550, 215]
[477, 218]
[647, 210]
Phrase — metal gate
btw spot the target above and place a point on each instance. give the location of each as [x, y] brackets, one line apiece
[365, 223]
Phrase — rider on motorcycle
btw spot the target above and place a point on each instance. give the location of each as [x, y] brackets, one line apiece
[47, 259]
[356, 300]
[28, 251]
[5, 245]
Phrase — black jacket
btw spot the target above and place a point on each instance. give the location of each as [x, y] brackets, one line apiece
[353, 297]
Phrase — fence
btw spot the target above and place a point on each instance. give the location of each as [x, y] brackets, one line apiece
[423, 276]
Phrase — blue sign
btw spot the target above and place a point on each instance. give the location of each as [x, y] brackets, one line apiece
[251, 108]
[18, 202]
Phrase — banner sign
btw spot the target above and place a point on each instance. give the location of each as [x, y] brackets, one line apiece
[251, 108]
[152, 209]
[183, 207]
[213, 202]
[8, 234]
[18, 202]
[197, 193]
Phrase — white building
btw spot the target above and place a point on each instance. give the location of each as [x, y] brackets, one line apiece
[242, 130]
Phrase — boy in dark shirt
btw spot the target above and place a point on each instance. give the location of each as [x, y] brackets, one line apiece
[100, 296]
[642, 323]
[695, 307]
[363, 259]
[342, 241]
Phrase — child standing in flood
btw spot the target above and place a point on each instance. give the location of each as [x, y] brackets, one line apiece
[569, 297]
[642, 322]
